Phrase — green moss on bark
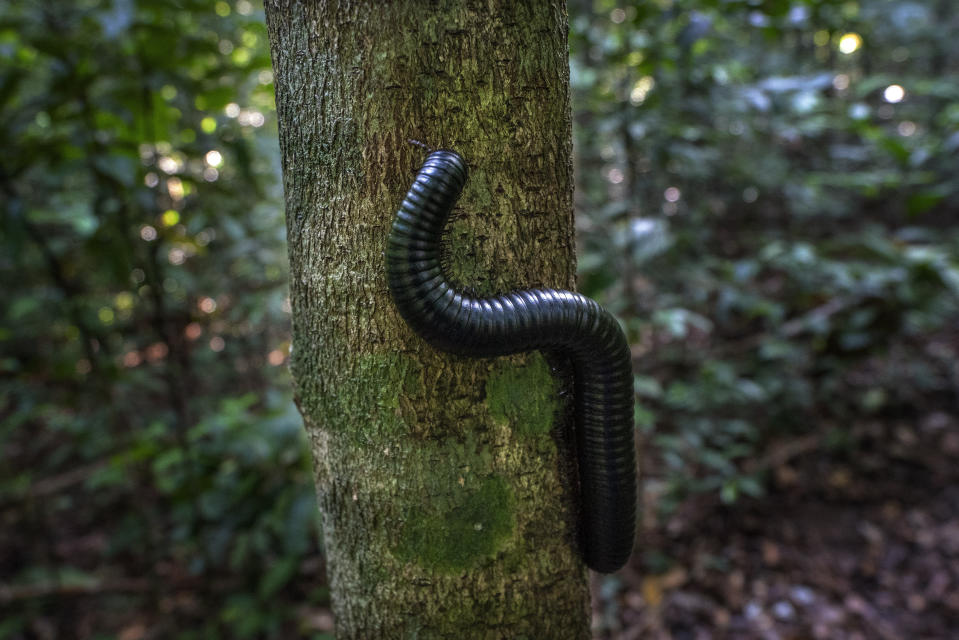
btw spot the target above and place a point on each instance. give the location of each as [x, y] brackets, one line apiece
[523, 396]
[466, 262]
[461, 528]
[375, 388]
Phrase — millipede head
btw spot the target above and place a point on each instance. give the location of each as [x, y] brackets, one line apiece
[450, 163]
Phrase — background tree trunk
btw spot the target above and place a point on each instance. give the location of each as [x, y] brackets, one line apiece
[445, 484]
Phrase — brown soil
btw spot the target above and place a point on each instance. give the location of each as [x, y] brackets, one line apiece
[841, 548]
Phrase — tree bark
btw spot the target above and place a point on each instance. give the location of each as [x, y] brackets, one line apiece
[445, 484]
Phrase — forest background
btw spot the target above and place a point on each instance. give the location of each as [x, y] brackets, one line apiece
[766, 196]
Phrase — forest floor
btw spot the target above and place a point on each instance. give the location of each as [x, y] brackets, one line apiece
[840, 548]
[844, 546]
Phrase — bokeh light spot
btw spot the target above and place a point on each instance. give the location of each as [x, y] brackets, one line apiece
[206, 304]
[132, 359]
[174, 186]
[894, 93]
[214, 158]
[849, 43]
[157, 351]
[193, 331]
[123, 301]
[170, 217]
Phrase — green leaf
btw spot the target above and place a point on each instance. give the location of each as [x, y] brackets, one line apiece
[278, 575]
[918, 203]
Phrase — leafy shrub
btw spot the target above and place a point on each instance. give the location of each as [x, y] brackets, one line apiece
[781, 222]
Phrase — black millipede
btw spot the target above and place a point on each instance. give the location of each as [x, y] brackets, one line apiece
[525, 320]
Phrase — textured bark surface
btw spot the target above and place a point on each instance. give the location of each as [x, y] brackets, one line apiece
[445, 484]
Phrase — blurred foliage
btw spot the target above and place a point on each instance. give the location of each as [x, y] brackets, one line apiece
[766, 196]
[777, 183]
[150, 450]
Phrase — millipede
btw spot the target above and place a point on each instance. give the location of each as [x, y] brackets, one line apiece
[519, 321]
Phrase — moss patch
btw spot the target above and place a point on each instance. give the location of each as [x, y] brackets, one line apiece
[370, 397]
[523, 397]
[459, 531]
[463, 261]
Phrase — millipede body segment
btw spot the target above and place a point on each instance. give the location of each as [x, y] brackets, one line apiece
[525, 320]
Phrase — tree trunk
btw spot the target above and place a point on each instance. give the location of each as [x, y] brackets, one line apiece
[445, 484]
